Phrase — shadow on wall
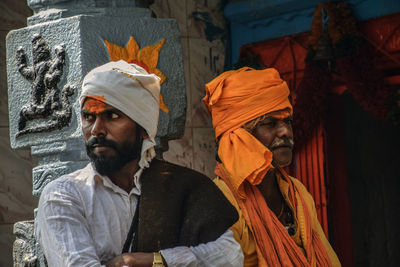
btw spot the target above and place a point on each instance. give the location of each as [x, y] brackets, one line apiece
[16, 200]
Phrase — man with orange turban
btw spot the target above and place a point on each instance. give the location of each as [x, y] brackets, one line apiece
[277, 224]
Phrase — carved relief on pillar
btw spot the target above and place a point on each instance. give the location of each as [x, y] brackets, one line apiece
[48, 10]
[44, 174]
[26, 251]
[44, 75]
[39, 4]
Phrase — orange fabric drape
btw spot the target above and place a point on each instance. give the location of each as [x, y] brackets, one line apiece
[275, 245]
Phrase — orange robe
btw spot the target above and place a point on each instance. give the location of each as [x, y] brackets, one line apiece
[244, 234]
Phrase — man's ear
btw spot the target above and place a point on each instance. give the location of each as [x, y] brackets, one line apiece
[144, 134]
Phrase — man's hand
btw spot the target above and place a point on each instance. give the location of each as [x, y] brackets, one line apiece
[136, 259]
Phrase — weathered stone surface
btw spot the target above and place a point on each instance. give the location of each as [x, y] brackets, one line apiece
[24, 245]
[19, 89]
[172, 9]
[205, 20]
[57, 13]
[83, 40]
[3, 83]
[204, 151]
[16, 200]
[26, 251]
[37, 5]
[186, 64]
[13, 15]
[181, 151]
[6, 241]
[47, 10]
[203, 38]
[196, 19]
[44, 174]
[57, 159]
[206, 62]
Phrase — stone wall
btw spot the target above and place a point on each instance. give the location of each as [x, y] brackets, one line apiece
[16, 200]
[203, 38]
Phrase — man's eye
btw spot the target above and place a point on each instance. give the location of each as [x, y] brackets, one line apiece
[88, 117]
[288, 120]
[114, 116]
[268, 124]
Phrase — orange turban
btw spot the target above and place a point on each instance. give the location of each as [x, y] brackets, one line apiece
[234, 98]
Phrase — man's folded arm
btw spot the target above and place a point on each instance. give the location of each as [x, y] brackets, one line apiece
[224, 252]
[63, 231]
[66, 240]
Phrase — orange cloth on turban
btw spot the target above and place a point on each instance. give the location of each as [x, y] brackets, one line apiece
[234, 98]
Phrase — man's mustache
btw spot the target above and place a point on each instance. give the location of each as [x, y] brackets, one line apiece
[288, 142]
[100, 141]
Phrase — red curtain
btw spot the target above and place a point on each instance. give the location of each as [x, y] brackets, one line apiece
[309, 169]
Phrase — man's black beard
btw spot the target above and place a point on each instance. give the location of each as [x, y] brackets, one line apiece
[124, 153]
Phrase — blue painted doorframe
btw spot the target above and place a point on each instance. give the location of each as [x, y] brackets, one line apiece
[259, 20]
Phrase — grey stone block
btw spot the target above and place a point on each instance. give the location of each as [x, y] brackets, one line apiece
[44, 174]
[83, 40]
[60, 151]
[65, 33]
[38, 5]
[60, 12]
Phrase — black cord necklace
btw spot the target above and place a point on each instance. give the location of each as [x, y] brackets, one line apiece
[131, 239]
[289, 221]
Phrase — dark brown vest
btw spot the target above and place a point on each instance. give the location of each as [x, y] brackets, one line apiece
[180, 207]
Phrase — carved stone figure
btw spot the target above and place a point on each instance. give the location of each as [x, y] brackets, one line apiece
[44, 74]
[27, 253]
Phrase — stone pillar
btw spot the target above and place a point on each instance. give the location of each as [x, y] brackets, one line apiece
[46, 63]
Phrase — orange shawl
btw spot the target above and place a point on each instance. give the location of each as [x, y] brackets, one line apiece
[234, 98]
[276, 246]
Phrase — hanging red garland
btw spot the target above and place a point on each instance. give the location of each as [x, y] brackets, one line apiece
[337, 48]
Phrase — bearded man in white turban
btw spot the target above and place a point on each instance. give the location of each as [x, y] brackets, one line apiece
[126, 208]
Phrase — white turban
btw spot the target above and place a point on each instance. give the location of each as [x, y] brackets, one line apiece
[133, 91]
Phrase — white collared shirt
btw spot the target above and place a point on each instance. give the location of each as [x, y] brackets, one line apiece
[83, 219]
